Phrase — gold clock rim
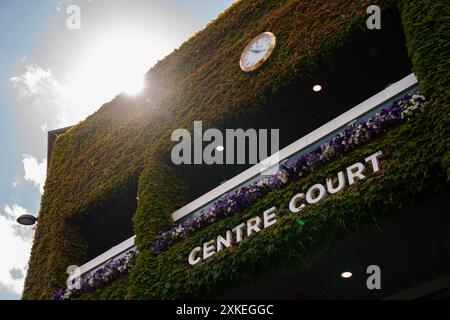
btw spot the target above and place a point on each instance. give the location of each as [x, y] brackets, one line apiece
[264, 58]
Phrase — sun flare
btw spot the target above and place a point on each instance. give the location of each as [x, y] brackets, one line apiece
[109, 64]
[113, 63]
[117, 62]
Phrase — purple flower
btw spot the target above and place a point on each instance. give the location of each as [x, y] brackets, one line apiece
[109, 272]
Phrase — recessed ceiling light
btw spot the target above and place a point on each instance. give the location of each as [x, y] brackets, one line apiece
[346, 274]
[220, 148]
[317, 88]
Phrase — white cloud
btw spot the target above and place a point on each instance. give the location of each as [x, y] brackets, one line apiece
[40, 90]
[7, 293]
[14, 251]
[26, 233]
[35, 172]
[35, 80]
[13, 212]
[54, 104]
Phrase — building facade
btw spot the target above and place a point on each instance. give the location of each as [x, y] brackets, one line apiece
[361, 186]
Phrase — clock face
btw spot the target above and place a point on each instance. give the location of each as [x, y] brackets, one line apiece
[257, 51]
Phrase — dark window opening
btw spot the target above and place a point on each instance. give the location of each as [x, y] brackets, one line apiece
[354, 73]
[111, 223]
[412, 251]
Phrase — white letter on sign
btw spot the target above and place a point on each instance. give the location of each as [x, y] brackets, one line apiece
[295, 205]
[374, 160]
[208, 249]
[269, 217]
[224, 242]
[351, 173]
[310, 195]
[238, 231]
[194, 256]
[253, 225]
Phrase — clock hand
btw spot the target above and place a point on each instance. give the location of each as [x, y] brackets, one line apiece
[256, 51]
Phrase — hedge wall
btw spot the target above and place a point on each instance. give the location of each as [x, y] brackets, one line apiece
[127, 141]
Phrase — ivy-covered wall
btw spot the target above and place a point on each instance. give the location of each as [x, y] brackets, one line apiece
[127, 141]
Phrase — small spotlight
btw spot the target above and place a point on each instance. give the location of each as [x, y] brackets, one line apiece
[317, 88]
[220, 148]
[346, 274]
[27, 219]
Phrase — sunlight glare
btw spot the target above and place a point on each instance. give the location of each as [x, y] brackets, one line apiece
[109, 64]
[116, 63]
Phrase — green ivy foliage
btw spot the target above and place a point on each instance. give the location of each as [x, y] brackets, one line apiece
[410, 172]
[127, 141]
[113, 291]
[427, 30]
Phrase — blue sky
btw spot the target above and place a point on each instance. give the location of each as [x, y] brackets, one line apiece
[47, 73]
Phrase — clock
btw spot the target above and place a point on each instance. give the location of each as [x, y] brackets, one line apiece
[257, 51]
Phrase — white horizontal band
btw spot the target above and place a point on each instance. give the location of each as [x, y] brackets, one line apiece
[298, 145]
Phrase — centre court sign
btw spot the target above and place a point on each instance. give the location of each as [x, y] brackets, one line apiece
[298, 202]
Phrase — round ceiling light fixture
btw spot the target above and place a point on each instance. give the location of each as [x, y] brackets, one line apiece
[317, 88]
[346, 274]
